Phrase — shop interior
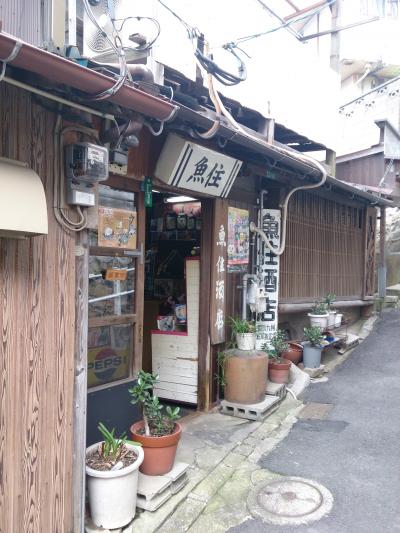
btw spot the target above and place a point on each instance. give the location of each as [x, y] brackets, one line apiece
[173, 236]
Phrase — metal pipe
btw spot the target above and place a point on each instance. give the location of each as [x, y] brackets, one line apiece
[58, 99]
[382, 254]
[306, 306]
[110, 296]
[61, 70]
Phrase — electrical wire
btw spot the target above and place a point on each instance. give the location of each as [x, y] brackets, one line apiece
[116, 45]
[234, 44]
[224, 77]
[146, 46]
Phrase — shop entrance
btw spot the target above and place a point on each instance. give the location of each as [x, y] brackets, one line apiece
[144, 292]
[171, 296]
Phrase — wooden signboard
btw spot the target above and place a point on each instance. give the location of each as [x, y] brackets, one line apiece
[117, 228]
[218, 271]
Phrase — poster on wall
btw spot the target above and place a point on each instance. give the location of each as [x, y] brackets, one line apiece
[268, 266]
[117, 228]
[238, 239]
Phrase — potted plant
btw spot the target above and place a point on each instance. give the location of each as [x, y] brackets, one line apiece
[112, 475]
[294, 353]
[245, 333]
[312, 347]
[278, 367]
[319, 315]
[159, 431]
[329, 299]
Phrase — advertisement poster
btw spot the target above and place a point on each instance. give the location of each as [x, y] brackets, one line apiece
[108, 354]
[117, 228]
[238, 239]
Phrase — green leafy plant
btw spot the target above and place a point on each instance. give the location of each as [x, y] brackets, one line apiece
[314, 335]
[329, 299]
[319, 308]
[156, 422]
[113, 448]
[276, 346]
[240, 325]
[220, 375]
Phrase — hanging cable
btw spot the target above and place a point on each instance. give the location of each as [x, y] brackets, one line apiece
[11, 57]
[116, 45]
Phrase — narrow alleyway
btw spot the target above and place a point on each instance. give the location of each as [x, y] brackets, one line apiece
[354, 450]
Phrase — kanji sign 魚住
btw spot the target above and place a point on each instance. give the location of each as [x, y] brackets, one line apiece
[193, 167]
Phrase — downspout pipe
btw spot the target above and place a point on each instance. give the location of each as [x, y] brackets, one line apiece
[382, 254]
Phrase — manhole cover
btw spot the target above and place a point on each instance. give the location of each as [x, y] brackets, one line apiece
[291, 500]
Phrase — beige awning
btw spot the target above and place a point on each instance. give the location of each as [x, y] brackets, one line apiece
[23, 209]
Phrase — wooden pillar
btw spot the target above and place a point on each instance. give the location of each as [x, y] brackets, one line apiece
[80, 379]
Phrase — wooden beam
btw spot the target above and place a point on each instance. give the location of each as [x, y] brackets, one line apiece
[305, 10]
[80, 379]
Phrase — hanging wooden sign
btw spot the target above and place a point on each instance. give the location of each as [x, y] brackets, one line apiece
[218, 272]
[116, 274]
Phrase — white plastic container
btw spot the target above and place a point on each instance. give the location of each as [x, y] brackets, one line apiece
[338, 320]
[246, 341]
[112, 493]
[332, 318]
[319, 320]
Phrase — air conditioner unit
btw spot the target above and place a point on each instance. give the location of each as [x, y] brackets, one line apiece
[97, 47]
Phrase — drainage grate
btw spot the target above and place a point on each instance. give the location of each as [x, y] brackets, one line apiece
[290, 501]
[315, 411]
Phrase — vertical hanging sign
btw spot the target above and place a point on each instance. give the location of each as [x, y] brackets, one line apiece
[148, 191]
[218, 272]
[268, 267]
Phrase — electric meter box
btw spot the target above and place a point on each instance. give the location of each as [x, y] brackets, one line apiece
[86, 164]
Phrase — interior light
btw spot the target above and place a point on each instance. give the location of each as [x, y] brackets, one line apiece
[179, 199]
[155, 190]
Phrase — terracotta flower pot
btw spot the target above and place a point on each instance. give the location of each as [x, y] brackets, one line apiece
[245, 376]
[294, 354]
[159, 452]
[278, 372]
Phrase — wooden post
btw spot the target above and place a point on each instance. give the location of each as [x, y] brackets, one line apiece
[205, 366]
[80, 379]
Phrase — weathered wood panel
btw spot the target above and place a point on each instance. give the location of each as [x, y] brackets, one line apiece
[37, 323]
[324, 250]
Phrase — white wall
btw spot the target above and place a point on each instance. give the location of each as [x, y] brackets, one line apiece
[375, 41]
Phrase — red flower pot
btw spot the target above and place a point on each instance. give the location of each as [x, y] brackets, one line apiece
[294, 354]
[159, 452]
[278, 372]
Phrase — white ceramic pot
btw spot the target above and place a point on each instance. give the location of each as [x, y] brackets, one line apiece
[246, 341]
[112, 493]
[338, 319]
[332, 318]
[319, 320]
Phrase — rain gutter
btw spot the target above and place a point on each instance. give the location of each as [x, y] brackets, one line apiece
[256, 142]
[61, 70]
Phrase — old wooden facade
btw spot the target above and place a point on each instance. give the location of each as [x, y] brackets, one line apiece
[45, 326]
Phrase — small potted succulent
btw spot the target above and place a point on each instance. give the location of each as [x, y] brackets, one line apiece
[112, 467]
[319, 315]
[329, 299]
[312, 347]
[245, 333]
[159, 431]
[278, 367]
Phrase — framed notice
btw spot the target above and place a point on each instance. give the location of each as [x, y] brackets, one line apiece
[117, 228]
[238, 239]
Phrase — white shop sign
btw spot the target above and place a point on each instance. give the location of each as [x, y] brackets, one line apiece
[190, 166]
[268, 267]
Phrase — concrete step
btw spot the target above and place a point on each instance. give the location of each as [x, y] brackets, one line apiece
[393, 290]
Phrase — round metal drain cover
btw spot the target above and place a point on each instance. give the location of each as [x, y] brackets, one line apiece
[290, 500]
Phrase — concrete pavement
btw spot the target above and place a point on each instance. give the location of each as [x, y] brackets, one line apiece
[354, 450]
